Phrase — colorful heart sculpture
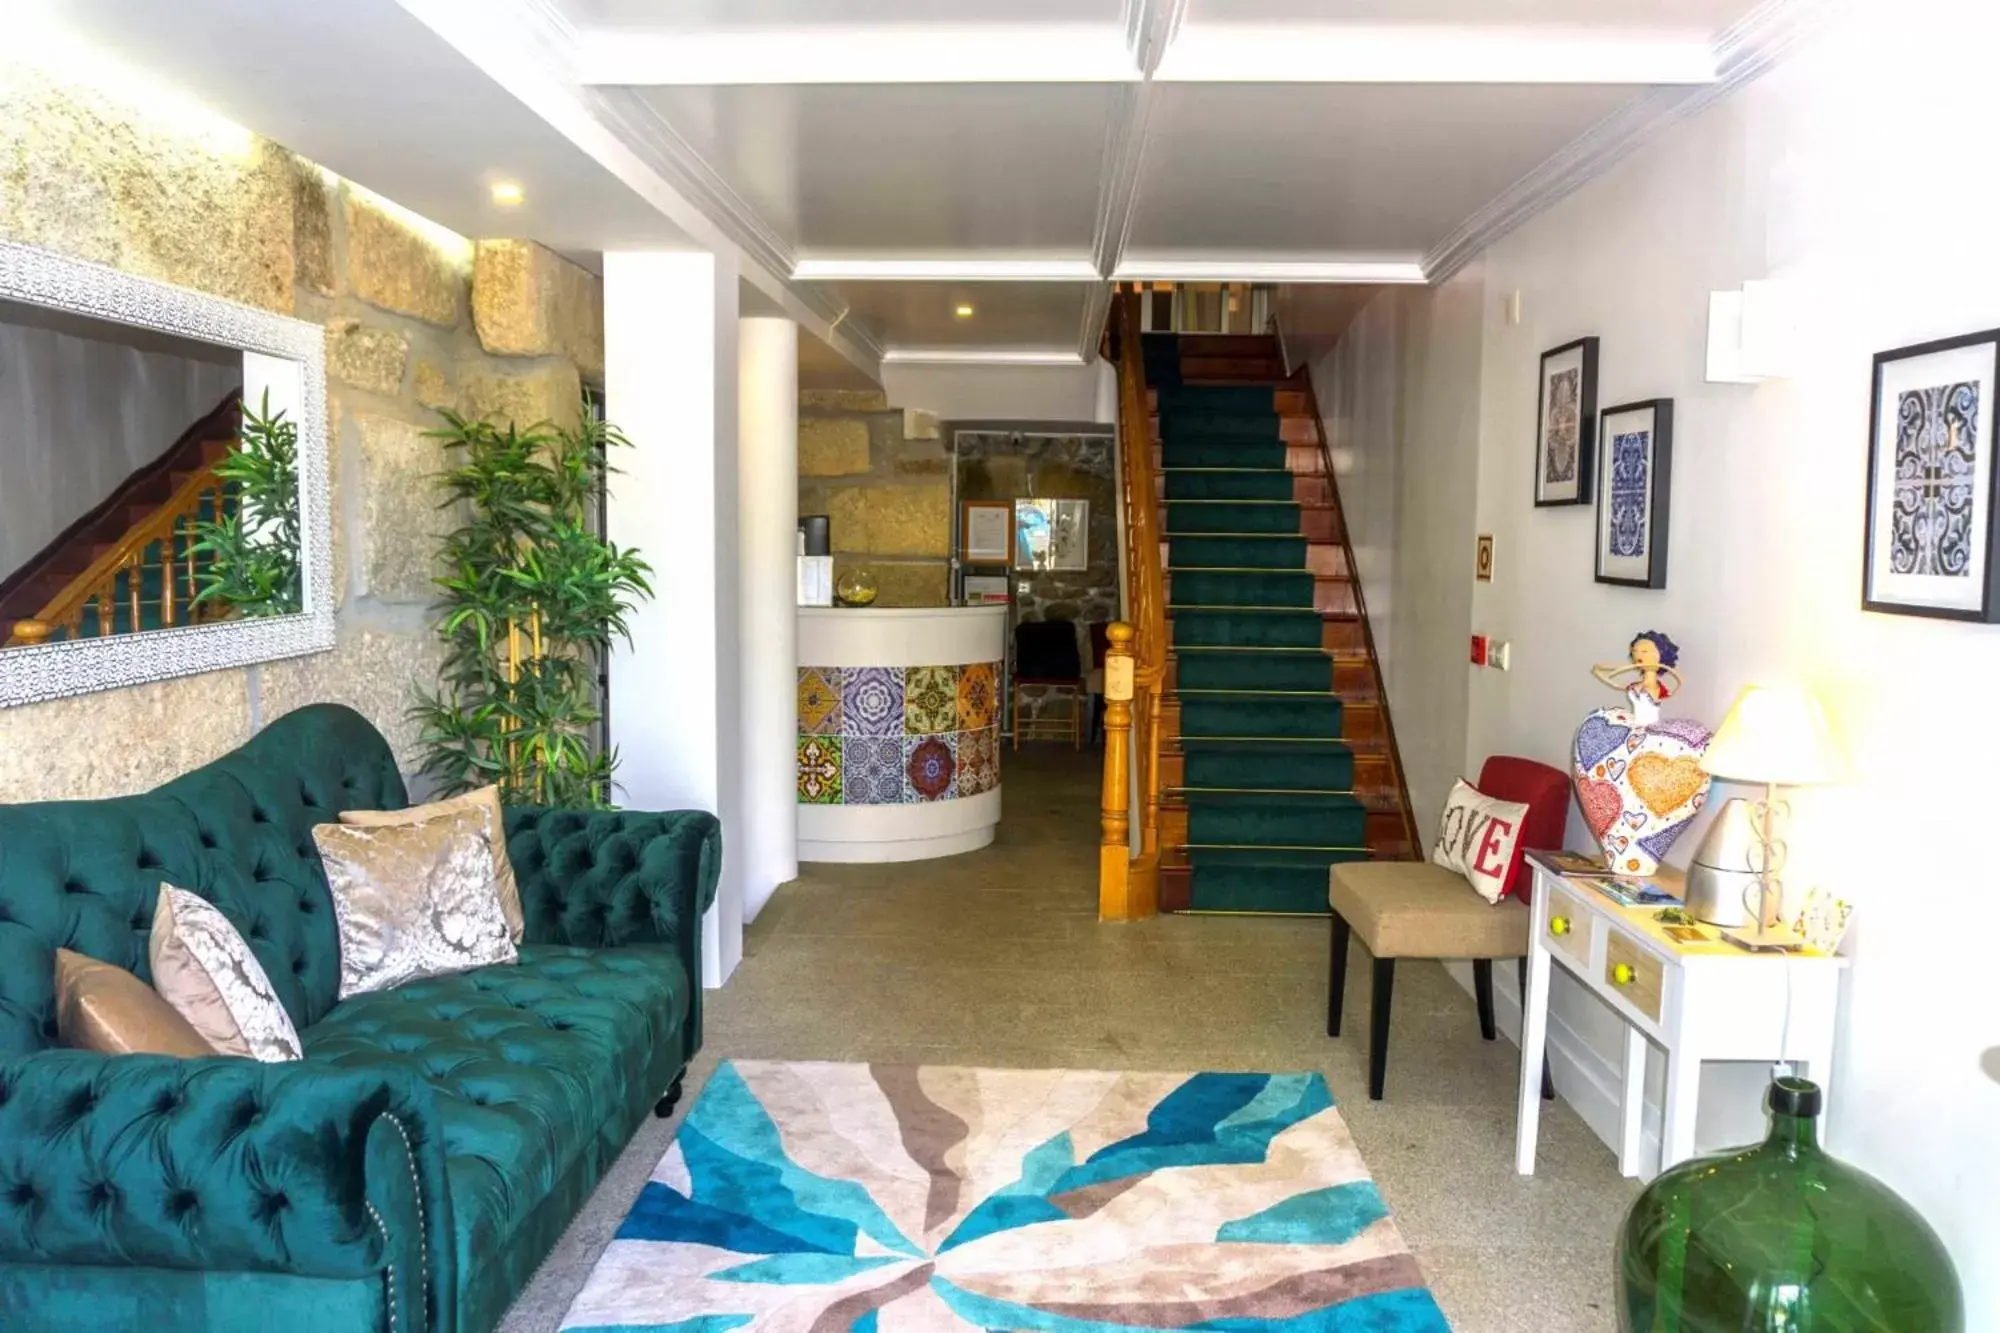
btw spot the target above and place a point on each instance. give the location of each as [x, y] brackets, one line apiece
[1639, 780]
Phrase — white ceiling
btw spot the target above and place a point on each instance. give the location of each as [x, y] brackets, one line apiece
[834, 145]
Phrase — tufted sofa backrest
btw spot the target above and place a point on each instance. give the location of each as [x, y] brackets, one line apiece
[85, 875]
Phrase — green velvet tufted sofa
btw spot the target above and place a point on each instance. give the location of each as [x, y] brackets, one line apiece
[415, 1167]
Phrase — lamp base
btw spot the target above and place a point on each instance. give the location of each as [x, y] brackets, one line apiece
[1766, 939]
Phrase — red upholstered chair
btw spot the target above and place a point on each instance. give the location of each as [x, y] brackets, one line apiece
[1414, 909]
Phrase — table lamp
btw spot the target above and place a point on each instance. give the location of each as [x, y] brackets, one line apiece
[1776, 735]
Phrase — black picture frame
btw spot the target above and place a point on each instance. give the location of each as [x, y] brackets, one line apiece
[1985, 582]
[1659, 491]
[1546, 497]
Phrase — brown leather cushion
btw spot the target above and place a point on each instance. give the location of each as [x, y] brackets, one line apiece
[106, 1009]
[1413, 909]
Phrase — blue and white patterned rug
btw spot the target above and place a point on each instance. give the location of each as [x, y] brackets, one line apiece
[819, 1198]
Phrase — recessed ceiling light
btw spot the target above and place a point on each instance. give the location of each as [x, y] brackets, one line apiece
[507, 194]
[963, 311]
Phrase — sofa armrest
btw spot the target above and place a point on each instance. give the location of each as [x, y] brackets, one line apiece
[605, 878]
[226, 1165]
[602, 878]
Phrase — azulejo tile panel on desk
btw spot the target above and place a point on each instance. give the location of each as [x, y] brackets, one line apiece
[871, 701]
[872, 770]
[819, 770]
[930, 700]
[819, 701]
[930, 767]
[863, 733]
[978, 696]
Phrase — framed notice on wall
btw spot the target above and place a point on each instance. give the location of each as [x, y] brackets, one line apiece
[1052, 534]
[986, 532]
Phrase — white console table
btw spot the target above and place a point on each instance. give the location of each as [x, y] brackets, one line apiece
[1697, 1001]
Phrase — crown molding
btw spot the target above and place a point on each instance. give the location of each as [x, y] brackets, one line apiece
[856, 53]
[1096, 309]
[1743, 53]
[1250, 268]
[1322, 53]
[529, 48]
[942, 268]
[981, 356]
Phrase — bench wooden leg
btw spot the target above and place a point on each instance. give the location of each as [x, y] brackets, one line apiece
[1336, 974]
[1482, 991]
[1378, 1027]
[1548, 1083]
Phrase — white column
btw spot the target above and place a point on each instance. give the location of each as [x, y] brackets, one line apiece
[1107, 392]
[670, 354]
[768, 483]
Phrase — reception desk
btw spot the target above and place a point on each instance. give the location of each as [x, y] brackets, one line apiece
[899, 731]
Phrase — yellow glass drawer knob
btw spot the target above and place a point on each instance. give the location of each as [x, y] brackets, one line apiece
[1622, 974]
[1558, 925]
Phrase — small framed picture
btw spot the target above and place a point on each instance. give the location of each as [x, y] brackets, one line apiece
[1634, 476]
[1932, 521]
[986, 532]
[1565, 423]
[1482, 560]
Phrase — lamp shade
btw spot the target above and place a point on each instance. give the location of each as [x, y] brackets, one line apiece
[1776, 734]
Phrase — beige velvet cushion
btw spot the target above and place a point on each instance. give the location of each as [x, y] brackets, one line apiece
[205, 970]
[413, 900]
[108, 1010]
[1413, 909]
[487, 801]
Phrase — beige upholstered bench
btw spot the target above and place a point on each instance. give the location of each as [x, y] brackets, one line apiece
[1414, 909]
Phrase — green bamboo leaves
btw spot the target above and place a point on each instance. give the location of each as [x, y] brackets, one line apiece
[531, 600]
[245, 551]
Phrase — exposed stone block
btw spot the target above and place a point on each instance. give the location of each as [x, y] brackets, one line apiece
[920, 425]
[903, 518]
[901, 583]
[312, 226]
[401, 524]
[375, 671]
[843, 400]
[393, 265]
[433, 386]
[366, 356]
[530, 301]
[119, 742]
[89, 174]
[552, 393]
[832, 446]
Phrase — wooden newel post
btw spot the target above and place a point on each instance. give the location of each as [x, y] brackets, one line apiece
[1114, 852]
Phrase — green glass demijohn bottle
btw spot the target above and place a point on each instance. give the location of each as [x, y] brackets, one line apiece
[1781, 1238]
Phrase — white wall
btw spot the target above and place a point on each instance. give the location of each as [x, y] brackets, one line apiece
[77, 417]
[670, 364]
[1849, 169]
[996, 392]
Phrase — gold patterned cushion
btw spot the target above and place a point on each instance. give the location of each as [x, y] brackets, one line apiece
[413, 900]
[487, 801]
[108, 1010]
[205, 970]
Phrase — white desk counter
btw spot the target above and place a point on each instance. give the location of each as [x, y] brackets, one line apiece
[899, 731]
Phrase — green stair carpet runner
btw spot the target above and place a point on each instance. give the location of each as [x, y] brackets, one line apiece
[1268, 780]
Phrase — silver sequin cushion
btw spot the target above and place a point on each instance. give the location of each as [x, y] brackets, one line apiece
[205, 970]
[413, 900]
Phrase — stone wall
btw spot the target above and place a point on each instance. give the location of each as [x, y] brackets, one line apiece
[883, 476]
[1013, 465]
[416, 319]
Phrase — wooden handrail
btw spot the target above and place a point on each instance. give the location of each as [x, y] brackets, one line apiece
[126, 562]
[1128, 884]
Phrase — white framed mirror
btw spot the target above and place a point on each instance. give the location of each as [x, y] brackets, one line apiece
[164, 502]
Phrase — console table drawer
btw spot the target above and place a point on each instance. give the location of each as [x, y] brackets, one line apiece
[1568, 927]
[1634, 974]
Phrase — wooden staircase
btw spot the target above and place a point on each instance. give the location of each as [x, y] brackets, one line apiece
[1254, 360]
[126, 565]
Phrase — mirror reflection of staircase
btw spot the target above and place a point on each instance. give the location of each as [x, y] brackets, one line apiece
[1277, 759]
[128, 564]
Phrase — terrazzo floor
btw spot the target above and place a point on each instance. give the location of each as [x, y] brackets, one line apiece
[997, 958]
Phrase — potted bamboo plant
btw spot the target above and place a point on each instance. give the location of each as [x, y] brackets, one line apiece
[532, 598]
